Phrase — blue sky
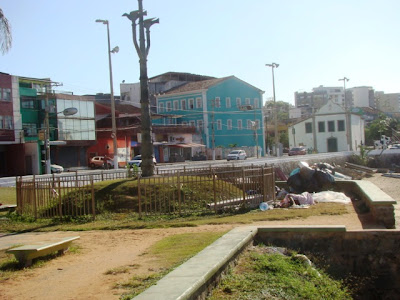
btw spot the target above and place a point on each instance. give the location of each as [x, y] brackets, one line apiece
[315, 42]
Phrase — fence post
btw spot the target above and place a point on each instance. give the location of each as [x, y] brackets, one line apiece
[34, 197]
[139, 197]
[184, 170]
[273, 180]
[264, 185]
[59, 199]
[244, 185]
[76, 179]
[102, 175]
[93, 204]
[215, 193]
[179, 192]
[18, 185]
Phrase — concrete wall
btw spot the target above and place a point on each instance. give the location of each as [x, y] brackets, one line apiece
[371, 255]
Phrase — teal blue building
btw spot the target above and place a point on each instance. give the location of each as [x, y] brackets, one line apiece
[227, 113]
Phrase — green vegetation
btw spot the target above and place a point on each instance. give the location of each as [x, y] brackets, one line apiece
[8, 195]
[261, 275]
[166, 255]
[115, 221]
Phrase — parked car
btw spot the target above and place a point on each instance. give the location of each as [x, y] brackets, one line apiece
[236, 155]
[137, 160]
[394, 146]
[297, 151]
[56, 168]
[98, 162]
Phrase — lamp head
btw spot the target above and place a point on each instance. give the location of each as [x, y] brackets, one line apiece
[115, 49]
[102, 21]
[149, 22]
[134, 15]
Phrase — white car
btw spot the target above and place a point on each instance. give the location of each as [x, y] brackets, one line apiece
[137, 160]
[56, 168]
[236, 155]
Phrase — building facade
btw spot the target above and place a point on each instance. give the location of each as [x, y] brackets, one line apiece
[330, 129]
[227, 112]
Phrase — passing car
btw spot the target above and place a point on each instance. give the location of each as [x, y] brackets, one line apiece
[297, 151]
[236, 155]
[56, 168]
[98, 162]
[137, 161]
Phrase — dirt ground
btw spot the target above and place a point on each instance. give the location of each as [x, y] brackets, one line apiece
[82, 275]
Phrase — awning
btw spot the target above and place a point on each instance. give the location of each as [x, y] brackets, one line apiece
[188, 145]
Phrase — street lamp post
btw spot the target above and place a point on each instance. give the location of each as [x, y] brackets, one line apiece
[273, 66]
[142, 49]
[113, 121]
[347, 111]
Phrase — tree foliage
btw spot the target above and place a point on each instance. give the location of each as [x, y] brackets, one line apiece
[5, 33]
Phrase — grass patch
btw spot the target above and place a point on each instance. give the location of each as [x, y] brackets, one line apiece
[166, 255]
[8, 195]
[118, 270]
[116, 221]
[261, 275]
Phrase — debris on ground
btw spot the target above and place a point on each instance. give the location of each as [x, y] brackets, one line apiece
[360, 168]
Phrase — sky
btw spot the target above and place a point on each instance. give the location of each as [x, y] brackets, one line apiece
[314, 42]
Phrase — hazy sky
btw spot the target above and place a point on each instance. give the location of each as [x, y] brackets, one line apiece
[315, 42]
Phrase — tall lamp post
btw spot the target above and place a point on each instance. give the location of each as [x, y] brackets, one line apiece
[273, 66]
[114, 125]
[142, 49]
[347, 111]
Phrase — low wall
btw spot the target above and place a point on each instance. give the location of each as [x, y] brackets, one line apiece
[371, 255]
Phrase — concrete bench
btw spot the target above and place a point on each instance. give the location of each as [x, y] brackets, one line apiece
[26, 253]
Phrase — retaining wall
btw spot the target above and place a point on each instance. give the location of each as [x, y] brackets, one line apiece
[371, 255]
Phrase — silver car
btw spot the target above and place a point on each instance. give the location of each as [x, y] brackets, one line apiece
[236, 155]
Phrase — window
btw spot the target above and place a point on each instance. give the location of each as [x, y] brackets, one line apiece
[229, 124]
[249, 124]
[176, 105]
[228, 102]
[200, 125]
[238, 102]
[258, 124]
[183, 104]
[239, 124]
[169, 106]
[6, 94]
[27, 102]
[256, 103]
[192, 123]
[217, 102]
[29, 129]
[331, 126]
[321, 126]
[340, 125]
[219, 125]
[308, 127]
[191, 103]
[161, 107]
[184, 123]
[8, 122]
[247, 101]
[199, 103]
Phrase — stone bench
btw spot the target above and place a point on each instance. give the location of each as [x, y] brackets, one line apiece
[25, 254]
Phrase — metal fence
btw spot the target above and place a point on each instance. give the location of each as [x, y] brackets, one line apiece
[175, 191]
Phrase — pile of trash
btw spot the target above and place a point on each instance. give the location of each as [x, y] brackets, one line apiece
[308, 186]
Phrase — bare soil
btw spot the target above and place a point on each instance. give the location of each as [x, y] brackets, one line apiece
[82, 275]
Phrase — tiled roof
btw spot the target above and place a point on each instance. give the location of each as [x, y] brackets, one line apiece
[195, 86]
